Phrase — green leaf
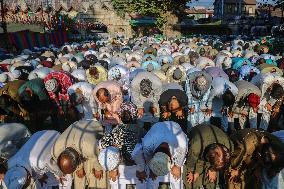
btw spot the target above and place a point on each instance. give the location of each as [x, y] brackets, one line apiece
[156, 8]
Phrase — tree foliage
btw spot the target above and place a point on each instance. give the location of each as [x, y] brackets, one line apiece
[280, 3]
[155, 8]
[271, 2]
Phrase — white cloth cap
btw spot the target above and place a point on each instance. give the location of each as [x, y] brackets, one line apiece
[3, 78]
[51, 85]
[32, 75]
[66, 67]
[160, 164]
[16, 74]
[49, 59]
[39, 66]
[109, 158]
[16, 177]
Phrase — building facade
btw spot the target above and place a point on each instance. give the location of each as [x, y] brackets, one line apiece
[230, 8]
[96, 11]
[199, 13]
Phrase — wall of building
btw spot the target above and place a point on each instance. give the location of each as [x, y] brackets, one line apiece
[103, 12]
[199, 16]
[231, 9]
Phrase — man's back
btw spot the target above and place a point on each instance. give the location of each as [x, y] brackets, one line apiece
[35, 155]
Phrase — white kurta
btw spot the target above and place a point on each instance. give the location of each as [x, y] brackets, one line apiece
[35, 156]
[89, 105]
[245, 88]
[163, 132]
[82, 137]
[40, 73]
[12, 137]
[198, 104]
[219, 87]
[80, 74]
[215, 102]
[264, 81]
[166, 132]
[153, 97]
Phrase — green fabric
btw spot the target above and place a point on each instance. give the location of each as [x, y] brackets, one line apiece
[201, 137]
[247, 140]
[273, 139]
[38, 88]
[80, 55]
[201, 181]
[242, 158]
[142, 22]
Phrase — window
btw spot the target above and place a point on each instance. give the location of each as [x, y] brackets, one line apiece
[250, 10]
[230, 8]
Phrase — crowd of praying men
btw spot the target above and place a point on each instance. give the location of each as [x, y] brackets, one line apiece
[193, 113]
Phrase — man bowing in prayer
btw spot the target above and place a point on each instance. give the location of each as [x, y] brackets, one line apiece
[146, 89]
[164, 149]
[75, 152]
[32, 166]
[109, 97]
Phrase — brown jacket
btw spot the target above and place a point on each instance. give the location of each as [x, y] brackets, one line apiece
[247, 141]
[11, 89]
[82, 136]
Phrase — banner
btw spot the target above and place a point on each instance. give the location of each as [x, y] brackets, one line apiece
[28, 39]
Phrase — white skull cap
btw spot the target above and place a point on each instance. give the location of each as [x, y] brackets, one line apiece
[109, 158]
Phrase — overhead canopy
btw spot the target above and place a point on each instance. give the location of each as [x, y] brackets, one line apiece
[143, 22]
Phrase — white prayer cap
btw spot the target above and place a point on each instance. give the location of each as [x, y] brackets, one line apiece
[16, 178]
[66, 67]
[109, 158]
[32, 75]
[51, 85]
[27, 64]
[16, 74]
[49, 59]
[3, 78]
[79, 74]
[90, 52]
[160, 164]
[62, 60]
[39, 66]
